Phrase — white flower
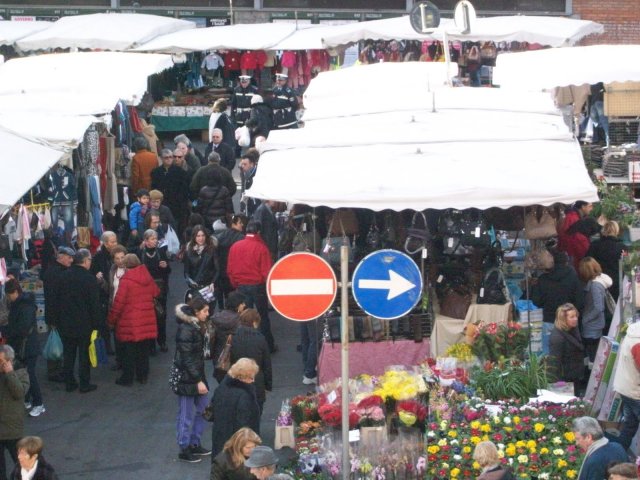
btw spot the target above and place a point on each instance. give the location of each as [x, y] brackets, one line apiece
[454, 442]
[431, 434]
[558, 451]
[556, 440]
[507, 420]
[543, 476]
[500, 446]
[457, 458]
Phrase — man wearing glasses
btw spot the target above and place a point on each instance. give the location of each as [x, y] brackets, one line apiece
[241, 100]
[284, 104]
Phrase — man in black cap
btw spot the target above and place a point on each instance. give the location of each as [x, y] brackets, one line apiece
[241, 100]
[52, 284]
[284, 104]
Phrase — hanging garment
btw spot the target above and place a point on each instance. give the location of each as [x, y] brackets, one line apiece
[90, 146]
[96, 205]
[136, 125]
[110, 198]
[102, 166]
[11, 231]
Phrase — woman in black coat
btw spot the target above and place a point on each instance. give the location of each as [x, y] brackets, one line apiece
[157, 262]
[192, 388]
[200, 262]
[607, 251]
[225, 323]
[22, 333]
[234, 403]
[229, 463]
[29, 452]
[248, 342]
[566, 350]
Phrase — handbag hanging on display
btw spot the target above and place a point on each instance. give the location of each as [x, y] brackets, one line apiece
[417, 234]
[455, 303]
[539, 224]
[224, 359]
[331, 246]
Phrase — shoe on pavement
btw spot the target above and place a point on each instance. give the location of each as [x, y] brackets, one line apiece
[309, 381]
[37, 411]
[185, 455]
[27, 405]
[88, 388]
[199, 450]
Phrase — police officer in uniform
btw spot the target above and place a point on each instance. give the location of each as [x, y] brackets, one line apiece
[241, 100]
[284, 104]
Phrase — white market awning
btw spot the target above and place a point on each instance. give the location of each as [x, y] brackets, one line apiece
[11, 31]
[105, 31]
[480, 148]
[22, 164]
[567, 66]
[107, 74]
[258, 36]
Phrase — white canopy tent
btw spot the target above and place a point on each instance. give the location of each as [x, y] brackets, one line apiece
[16, 151]
[106, 31]
[480, 148]
[567, 66]
[10, 31]
[260, 36]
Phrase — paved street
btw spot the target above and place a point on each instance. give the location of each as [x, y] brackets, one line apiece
[129, 433]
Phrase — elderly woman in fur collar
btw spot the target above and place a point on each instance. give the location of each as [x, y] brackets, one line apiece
[191, 339]
[234, 403]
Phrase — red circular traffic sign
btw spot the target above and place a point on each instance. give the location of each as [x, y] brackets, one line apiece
[301, 286]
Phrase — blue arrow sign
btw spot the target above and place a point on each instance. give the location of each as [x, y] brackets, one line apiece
[387, 284]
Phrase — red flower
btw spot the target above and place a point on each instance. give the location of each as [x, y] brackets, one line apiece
[370, 402]
[411, 406]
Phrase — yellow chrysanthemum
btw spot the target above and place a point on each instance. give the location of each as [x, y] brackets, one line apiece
[572, 473]
[475, 425]
[475, 440]
[538, 427]
[520, 444]
[476, 466]
[486, 428]
[510, 450]
[516, 420]
[453, 434]
[544, 451]
[562, 463]
[531, 444]
[466, 449]
[569, 437]
[454, 472]
[433, 449]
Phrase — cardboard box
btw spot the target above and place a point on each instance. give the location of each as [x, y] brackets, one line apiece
[284, 437]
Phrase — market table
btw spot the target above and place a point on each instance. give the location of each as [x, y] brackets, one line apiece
[447, 331]
[370, 357]
[179, 124]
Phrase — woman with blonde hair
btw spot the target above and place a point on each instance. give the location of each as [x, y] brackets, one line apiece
[595, 287]
[229, 464]
[234, 403]
[566, 348]
[607, 251]
[486, 454]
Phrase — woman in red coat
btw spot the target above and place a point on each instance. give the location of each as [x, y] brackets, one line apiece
[133, 316]
[570, 239]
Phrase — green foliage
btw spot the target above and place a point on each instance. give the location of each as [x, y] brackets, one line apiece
[494, 342]
[510, 379]
[616, 203]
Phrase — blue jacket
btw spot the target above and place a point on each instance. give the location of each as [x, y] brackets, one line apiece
[136, 218]
[595, 465]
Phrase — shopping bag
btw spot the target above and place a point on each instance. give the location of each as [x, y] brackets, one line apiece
[93, 355]
[101, 351]
[224, 359]
[172, 242]
[53, 347]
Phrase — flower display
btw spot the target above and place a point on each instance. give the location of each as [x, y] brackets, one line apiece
[304, 408]
[399, 385]
[411, 412]
[535, 441]
[370, 412]
[494, 342]
[461, 352]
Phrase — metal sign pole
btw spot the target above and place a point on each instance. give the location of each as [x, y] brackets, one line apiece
[344, 331]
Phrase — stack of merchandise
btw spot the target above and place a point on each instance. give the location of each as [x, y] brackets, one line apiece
[31, 283]
[615, 163]
[529, 314]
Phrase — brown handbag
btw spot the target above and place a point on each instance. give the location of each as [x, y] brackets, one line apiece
[539, 225]
[84, 237]
[455, 304]
[224, 359]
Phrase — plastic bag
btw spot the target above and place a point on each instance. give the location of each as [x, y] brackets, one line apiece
[172, 242]
[243, 136]
[93, 354]
[53, 348]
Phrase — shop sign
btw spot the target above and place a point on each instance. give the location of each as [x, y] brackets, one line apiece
[218, 22]
[24, 18]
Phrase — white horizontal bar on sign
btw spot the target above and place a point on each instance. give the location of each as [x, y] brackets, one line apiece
[302, 287]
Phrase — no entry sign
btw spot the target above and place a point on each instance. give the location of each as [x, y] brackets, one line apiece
[301, 286]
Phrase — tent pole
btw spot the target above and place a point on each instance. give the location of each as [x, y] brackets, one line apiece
[344, 331]
[447, 55]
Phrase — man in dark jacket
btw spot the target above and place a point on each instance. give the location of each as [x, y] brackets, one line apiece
[225, 239]
[599, 452]
[248, 168]
[262, 119]
[241, 100]
[284, 104]
[173, 182]
[79, 315]
[264, 214]
[101, 267]
[554, 288]
[227, 155]
[14, 384]
[212, 175]
[52, 283]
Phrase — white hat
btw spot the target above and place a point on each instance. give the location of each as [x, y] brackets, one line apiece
[244, 77]
[282, 75]
[256, 99]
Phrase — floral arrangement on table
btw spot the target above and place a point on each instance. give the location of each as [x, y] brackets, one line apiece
[305, 408]
[494, 341]
[535, 441]
[461, 352]
[509, 379]
[370, 411]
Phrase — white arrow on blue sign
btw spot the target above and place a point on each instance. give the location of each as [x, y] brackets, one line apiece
[387, 284]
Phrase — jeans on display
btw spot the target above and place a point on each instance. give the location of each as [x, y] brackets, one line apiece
[596, 113]
[190, 423]
[547, 328]
[630, 421]
[256, 297]
[65, 212]
[309, 342]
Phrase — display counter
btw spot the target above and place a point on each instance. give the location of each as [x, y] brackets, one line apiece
[179, 124]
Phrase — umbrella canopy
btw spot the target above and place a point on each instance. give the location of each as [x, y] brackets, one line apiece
[10, 32]
[17, 177]
[439, 148]
[568, 66]
[259, 36]
[106, 31]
